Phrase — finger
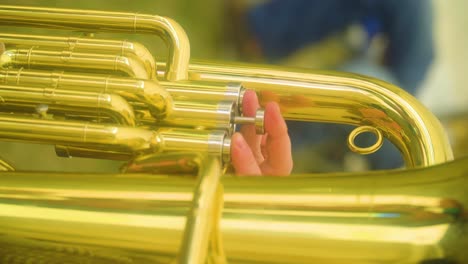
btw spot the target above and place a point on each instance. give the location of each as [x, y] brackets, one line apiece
[242, 157]
[278, 145]
[249, 107]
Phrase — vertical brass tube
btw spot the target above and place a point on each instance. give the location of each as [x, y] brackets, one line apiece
[204, 216]
[170, 31]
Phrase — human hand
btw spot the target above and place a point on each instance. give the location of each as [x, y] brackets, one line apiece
[268, 154]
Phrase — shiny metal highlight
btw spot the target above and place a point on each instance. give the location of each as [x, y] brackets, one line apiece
[405, 216]
[409, 216]
[166, 28]
[343, 98]
[5, 166]
[127, 49]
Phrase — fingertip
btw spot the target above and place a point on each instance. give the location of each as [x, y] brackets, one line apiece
[242, 157]
[274, 121]
[250, 103]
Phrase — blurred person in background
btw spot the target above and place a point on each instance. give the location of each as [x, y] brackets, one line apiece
[387, 39]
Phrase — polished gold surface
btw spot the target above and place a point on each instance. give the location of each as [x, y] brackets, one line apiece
[113, 139]
[202, 227]
[99, 98]
[340, 98]
[75, 104]
[86, 20]
[407, 216]
[148, 92]
[34, 57]
[124, 49]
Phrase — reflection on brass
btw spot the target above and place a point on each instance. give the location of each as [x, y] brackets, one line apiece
[110, 99]
[405, 216]
[4, 166]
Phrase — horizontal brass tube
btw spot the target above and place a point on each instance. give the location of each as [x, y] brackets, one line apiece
[205, 91]
[195, 103]
[197, 114]
[109, 138]
[100, 21]
[157, 99]
[65, 59]
[344, 98]
[413, 216]
[121, 48]
[67, 103]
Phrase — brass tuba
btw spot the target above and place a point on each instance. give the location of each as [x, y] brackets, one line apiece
[110, 99]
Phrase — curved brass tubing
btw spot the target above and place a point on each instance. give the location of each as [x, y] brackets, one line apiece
[411, 216]
[169, 30]
[122, 48]
[89, 62]
[157, 100]
[196, 104]
[340, 98]
[96, 106]
[157, 97]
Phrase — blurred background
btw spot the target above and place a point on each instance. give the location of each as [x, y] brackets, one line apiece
[419, 45]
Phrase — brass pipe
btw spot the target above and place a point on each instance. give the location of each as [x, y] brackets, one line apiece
[344, 98]
[205, 115]
[121, 48]
[67, 103]
[157, 100]
[205, 91]
[90, 62]
[411, 216]
[170, 31]
[196, 104]
[108, 138]
[204, 215]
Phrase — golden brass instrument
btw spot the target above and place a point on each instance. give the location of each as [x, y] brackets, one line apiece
[175, 118]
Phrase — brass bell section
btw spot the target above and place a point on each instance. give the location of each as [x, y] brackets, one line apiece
[110, 99]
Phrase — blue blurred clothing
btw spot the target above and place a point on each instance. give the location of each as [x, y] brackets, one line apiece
[282, 27]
